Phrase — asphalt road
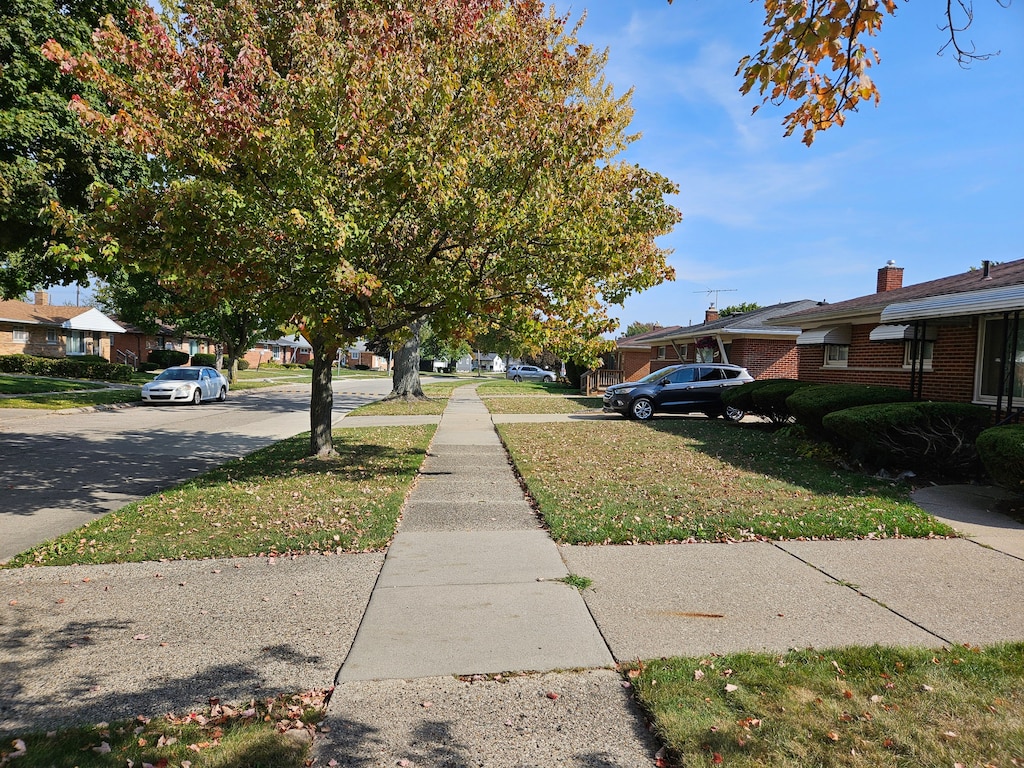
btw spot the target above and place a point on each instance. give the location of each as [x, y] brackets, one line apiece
[61, 470]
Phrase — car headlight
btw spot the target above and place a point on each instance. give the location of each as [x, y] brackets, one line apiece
[623, 391]
[184, 389]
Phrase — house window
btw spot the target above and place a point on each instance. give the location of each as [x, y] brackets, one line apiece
[996, 343]
[193, 346]
[76, 343]
[51, 335]
[925, 351]
[836, 355]
[661, 353]
[20, 333]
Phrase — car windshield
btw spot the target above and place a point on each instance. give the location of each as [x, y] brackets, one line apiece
[179, 374]
[656, 376]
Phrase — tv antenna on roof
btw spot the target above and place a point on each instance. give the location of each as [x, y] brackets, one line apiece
[717, 291]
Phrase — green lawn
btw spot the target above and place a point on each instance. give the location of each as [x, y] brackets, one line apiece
[509, 387]
[28, 385]
[72, 399]
[847, 708]
[696, 479]
[276, 500]
[540, 404]
[437, 392]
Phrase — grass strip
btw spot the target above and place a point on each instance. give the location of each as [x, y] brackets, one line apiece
[511, 404]
[275, 501]
[437, 393]
[72, 399]
[846, 708]
[612, 482]
[525, 388]
[28, 385]
[274, 731]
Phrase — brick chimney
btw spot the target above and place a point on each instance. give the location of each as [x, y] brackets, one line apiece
[890, 277]
[42, 298]
[711, 314]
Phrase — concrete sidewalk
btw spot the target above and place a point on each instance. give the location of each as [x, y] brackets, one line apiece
[460, 647]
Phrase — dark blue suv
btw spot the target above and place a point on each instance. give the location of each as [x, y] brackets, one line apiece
[688, 388]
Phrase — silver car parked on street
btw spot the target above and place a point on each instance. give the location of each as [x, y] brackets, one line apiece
[186, 384]
[529, 373]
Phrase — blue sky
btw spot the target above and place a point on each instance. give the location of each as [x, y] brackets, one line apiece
[932, 178]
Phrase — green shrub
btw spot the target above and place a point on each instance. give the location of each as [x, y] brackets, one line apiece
[809, 405]
[147, 367]
[203, 358]
[1001, 450]
[923, 436]
[741, 396]
[13, 363]
[243, 364]
[769, 401]
[165, 358]
[83, 367]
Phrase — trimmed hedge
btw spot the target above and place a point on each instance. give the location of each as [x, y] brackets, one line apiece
[202, 358]
[770, 400]
[924, 436]
[741, 396]
[66, 368]
[1001, 450]
[809, 405]
[165, 358]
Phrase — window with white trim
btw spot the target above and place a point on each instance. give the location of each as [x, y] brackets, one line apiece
[836, 355]
[20, 333]
[925, 351]
[51, 336]
[661, 353]
[75, 343]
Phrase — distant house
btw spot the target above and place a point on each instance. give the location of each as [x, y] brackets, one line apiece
[957, 338]
[484, 362]
[766, 351]
[357, 355]
[45, 330]
[287, 349]
[135, 344]
[633, 354]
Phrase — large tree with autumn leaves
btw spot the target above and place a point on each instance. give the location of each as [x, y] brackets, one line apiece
[362, 165]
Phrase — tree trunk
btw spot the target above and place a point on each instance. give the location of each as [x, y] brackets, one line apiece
[406, 377]
[321, 401]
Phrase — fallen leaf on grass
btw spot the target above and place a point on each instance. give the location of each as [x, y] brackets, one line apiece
[19, 748]
[729, 687]
[832, 736]
[102, 749]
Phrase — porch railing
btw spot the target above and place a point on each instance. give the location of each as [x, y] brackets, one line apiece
[127, 357]
[599, 380]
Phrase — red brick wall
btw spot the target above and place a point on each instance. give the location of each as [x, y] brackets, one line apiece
[765, 358]
[951, 377]
[635, 363]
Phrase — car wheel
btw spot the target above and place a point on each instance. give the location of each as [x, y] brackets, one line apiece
[197, 396]
[733, 414]
[517, 379]
[223, 395]
[642, 409]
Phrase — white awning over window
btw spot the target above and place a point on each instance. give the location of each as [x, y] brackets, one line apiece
[901, 333]
[837, 335]
[1007, 299]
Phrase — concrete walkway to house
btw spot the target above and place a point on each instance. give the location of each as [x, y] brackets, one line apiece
[460, 647]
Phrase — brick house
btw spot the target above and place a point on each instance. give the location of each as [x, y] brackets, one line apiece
[633, 355]
[44, 330]
[766, 351]
[286, 349]
[135, 344]
[955, 339]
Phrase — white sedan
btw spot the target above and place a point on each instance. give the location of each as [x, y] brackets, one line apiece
[186, 384]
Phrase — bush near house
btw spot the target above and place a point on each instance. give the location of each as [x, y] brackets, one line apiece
[165, 358]
[809, 405]
[1001, 450]
[203, 358]
[242, 363]
[764, 397]
[67, 367]
[923, 436]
